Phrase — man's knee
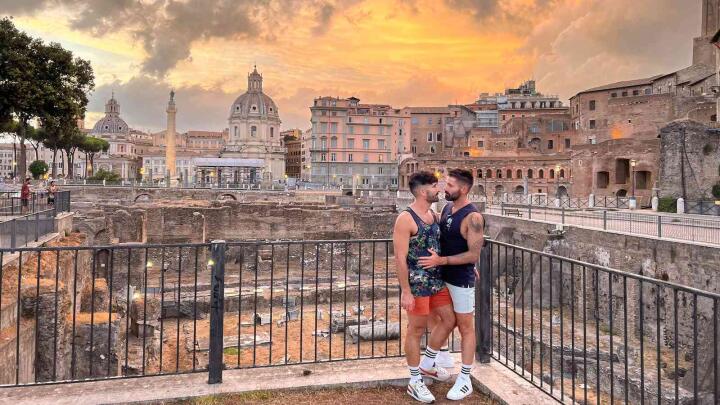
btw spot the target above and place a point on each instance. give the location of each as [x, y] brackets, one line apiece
[465, 324]
[416, 330]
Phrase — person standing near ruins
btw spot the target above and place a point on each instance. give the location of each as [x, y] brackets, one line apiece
[461, 240]
[25, 196]
[423, 291]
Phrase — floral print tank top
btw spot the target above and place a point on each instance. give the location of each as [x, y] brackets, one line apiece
[424, 282]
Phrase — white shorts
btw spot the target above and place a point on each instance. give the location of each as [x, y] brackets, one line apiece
[463, 298]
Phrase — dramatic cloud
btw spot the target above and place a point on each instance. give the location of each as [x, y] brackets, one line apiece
[402, 52]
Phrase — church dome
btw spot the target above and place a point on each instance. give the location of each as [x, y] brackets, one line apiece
[254, 103]
[111, 123]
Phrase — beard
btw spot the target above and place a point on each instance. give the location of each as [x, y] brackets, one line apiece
[432, 198]
[451, 197]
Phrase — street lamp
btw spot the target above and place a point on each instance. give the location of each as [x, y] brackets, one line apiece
[557, 180]
[633, 163]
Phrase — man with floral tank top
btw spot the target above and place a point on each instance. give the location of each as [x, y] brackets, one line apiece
[423, 291]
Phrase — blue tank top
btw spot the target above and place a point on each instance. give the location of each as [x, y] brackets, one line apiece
[452, 243]
[424, 282]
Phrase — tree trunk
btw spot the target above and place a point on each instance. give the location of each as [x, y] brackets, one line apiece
[22, 164]
[86, 166]
[92, 164]
[54, 169]
[71, 162]
[62, 159]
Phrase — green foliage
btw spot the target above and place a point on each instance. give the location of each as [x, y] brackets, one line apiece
[43, 81]
[716, 191]
[38, 168]
[667, 204]
[103, 174]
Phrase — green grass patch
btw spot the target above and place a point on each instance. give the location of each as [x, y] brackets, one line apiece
[667, 204]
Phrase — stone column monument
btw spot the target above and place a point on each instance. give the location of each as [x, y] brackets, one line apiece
[170, 169]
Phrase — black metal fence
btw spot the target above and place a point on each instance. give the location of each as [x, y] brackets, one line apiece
[20, 230]
[660, 226]
[702, 207]
[11, 204]
[592, 334]
[87, 313]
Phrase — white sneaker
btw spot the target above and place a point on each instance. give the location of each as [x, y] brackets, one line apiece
[420, 392]
[436, 373]
[461, 389]
[445, 360]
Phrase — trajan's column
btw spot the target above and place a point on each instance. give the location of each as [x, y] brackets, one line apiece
[171, 171]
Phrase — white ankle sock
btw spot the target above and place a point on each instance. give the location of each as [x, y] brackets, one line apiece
[428, 360]
[414, 374]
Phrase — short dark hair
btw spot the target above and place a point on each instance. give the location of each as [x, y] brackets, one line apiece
[464, 176]
[422, 178]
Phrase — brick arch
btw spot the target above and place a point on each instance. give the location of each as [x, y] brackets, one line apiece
[143, 197]
[226, 196]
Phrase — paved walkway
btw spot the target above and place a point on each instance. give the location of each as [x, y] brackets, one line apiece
[492, 379]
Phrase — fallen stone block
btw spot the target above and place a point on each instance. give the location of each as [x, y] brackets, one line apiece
[374, 331]
[340, 321]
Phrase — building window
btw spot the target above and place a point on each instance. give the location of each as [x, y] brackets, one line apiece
[562, 173]
[530, 174]
[350, 157]
[508, 174]
[366, 144]
[438, 137]
[380, 158]
[381, 144]
[429, 136]
[366, 158]
[624, 93]
[550, 144]
[567, 142]
[366, 129]
[333, 127]
[322, 157]
[488, 174]
[636, 92]
[253, 131]
[592, 105]
[552, 173]
[592, 124]
[351, 143]
[414, 150]
[481, 144]
[648, 91]
[332, 157]
[613, 95]
[541, 174]
[323, 143]
[518, 174]
[414, 120]
[432, 149]
[430, 120]
[351, 129]
[498, 173]
[333, 142]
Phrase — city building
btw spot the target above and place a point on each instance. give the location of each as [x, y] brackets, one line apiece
[353, 143]
[293, 156]
[121, 157]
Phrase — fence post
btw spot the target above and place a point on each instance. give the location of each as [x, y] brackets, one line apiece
[562, 210]
[37, 224]
[483, 325]
[659, 224]
[502, 208]
[13, 231]
[605, 220]
[217, 283]
[530, 211]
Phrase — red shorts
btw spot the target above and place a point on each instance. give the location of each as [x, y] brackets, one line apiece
[423, 305]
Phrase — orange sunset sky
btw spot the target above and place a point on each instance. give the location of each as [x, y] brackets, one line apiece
[399, 52]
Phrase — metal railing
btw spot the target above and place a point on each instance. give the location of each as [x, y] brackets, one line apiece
[704, 230]
[88, 313]
[11, 204]
[702, 207]
[592, 334]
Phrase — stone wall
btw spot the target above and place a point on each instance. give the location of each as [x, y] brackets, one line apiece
[689, 156]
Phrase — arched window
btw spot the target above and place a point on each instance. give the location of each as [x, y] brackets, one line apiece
[488, 174]
[530, 173]
[272, 132]
[552, 173]
[518, 174]
[498, 173]
[480, 174]
[541, 174]
[235, 131]
[508, 174]
[562, 173]
[253, 131]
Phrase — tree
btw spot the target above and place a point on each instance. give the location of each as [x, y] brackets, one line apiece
[90, 147]
[39, 81]
[38, 168]
[71, 140]
[103, 174]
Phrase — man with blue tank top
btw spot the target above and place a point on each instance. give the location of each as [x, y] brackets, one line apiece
[422, 289]
[461, 240]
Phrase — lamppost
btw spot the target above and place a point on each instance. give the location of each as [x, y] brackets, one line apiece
[557, 180]
[633, 163]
